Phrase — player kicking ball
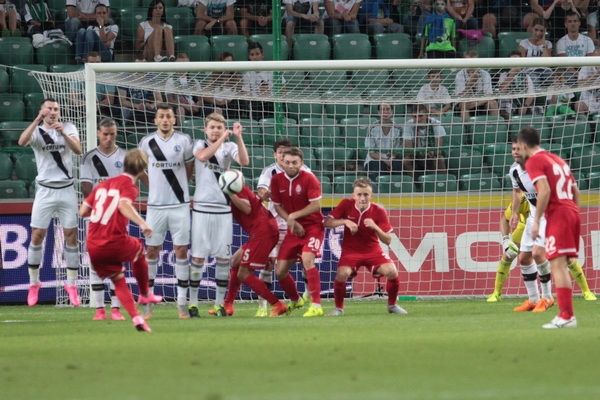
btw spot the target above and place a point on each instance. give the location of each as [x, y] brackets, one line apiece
[109, 207]
[263, 230]
[365, 224]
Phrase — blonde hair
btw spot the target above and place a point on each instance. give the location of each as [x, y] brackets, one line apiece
[214, 117]
[362, 183]
[136, 161]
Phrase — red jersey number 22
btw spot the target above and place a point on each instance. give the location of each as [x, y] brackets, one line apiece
[564, 190]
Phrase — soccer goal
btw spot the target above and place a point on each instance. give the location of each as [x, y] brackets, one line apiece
[445, 217]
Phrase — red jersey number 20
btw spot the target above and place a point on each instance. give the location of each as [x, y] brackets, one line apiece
[100, 213]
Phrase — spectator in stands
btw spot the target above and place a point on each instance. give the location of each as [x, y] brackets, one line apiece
[38, 17]
[589, 102]
[560, 104]
[515, 80]
[574, 44]
[215, 17]
[536, 45]
[437, 93]
[105, 94]
[139, 105]
[377, 16]
[439, 33]
[462, 12]
[256, 17]
[179, 91]
[80, 13]
[505, 14]
[556, 12]
[384, 143]
[413, 19]
[426, 134]
[258, 84]
[301, 13]
[99, 36]
[9, 19]
[592, 21]
[224, 85]
[473, 83]
[154, 36]
[341, 16]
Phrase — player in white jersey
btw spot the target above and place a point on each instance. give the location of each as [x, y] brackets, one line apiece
[53, 143]
[97, 165]
[170, 167]
[264, 192]
[212, 223]
[532, 253]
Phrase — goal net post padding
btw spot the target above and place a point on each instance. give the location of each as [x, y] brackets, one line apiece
[446, 231]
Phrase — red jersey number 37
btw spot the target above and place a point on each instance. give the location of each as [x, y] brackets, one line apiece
[100, 213]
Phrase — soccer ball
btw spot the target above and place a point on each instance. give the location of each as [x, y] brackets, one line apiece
[231, 181]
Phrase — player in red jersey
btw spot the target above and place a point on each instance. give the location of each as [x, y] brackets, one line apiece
[260, 224]
[365, 224]
[109, 207]
[296, 195]
[558, 201]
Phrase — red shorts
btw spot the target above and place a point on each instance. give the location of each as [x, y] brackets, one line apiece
[255, 252]
[293, 246]
[562, 234]
[371, 261]
[108, 259]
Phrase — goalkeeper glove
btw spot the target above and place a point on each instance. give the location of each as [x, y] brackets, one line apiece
[510, 248]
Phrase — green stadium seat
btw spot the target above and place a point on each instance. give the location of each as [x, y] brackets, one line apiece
[33, 102]
[454, 134]
[131, 18]
[64, 68]
[351, 46]
[340, 110]
[26, 168]
[311, 47]
[10, 131]
[182, 20]
[328, 80]
[393, 46]
[480, 182]
[318, 132]
[54, 53]
[251, 130]
[236, 45]
[289, 130]
[395, 184]
[344, 184]
[585, 159]
[193, 127]
[146, 3]
[196, 47]
[486, 47]
[409, 81]
[509, 41]
[57, 4]
[464, 160]
[593, 181]
[11, 108]
[296, 81]
[261, 157]
[582, 181]
[486, 129]
[368, 79]
[16, 51]
[133, 140]
[331, 159]
[309, 158]
[266, 41]
[517, 122]
[438, 183]
[4, 81]
[13, 190]
[23, 81]
[354, 130]
[299, 111]
[569, 133]
[500, 159]
[6, 167]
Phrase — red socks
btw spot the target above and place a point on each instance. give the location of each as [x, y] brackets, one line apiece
[140, 271]
[125, 297]
[564, 297]
[289, 287]
[391, 287]
[260, 288]
[234, 285]
[339, 294]
[314, 284]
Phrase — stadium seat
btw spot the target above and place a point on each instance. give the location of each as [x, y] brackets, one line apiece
[568, 133]
[354, 130]
[33, 102]
[53, 53]
[16, 51]
[409, 81]
[251, 130]
[10, 131]
[261, 157]
[328, 80]
[309, 158]
[331, 159]
[344, 184]
[318, 132]
[368, 79]
[13, 190]
[582, 181]
[454, 134]
[486, 47]
[296, 81]
[26, 168]
[517, 122]
[266, 41]
[387, 184]
[498, 157]
[480, 182]
[131, 18]
[193, 127]
[196, 47]
[486, 129]
[338, 109]
[4, 81]
[311, 47]
[6, 167]
[64, 68]
[22, 80]
[585, 159]
[182, 20]
[133, 140]
[434, 183]
[509, 41]
[236, 45]
[299, 111]
[393, 46]
[351, 46]
[12, 108]
[288, 131]
[146, 3]
[593, 181]
[464, 160]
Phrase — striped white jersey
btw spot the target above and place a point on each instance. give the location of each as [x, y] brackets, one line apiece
[208, 196]
[521, 180]
[97, 166]
[264, 181]
[166, 168]
[53, 157]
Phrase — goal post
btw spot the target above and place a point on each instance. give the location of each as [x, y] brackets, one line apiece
[446, 238]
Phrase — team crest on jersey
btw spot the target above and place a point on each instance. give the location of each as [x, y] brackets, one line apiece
[298, 189]
[177, 148]
[118, 164]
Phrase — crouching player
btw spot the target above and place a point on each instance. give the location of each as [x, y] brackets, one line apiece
[262, 227]
[109, 206]
[365, 224]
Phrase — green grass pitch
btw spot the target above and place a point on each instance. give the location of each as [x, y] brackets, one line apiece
[443, 349]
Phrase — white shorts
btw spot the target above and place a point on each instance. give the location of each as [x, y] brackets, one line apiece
[275, 250]
[48, 202]
[175, 220]
[527, 242]
[212, 235]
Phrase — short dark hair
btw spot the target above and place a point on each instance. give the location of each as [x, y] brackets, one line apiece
[164, 106]
[282, 143]
[254, 45]
[530, 136]
[294, 151]
[48, 99]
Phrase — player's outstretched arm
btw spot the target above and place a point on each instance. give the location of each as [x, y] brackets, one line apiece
[242, 205]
